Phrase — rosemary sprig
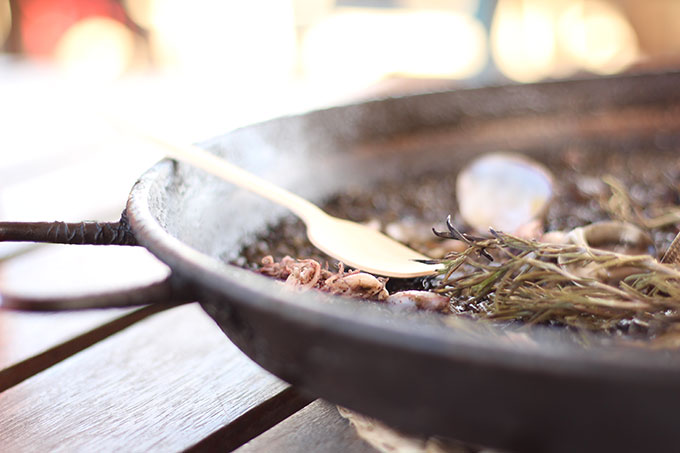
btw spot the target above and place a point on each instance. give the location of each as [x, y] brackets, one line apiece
[538, 282]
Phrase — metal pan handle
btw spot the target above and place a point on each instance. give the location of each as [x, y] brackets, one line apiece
[165, 292]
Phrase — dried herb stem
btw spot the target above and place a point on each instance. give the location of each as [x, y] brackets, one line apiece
[538, 282]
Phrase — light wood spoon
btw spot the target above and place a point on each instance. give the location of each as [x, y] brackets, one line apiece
[356, 245]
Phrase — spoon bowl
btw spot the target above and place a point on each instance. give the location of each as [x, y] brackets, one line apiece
[366, 249]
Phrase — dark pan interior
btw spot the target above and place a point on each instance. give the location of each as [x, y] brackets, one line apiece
[465, 381]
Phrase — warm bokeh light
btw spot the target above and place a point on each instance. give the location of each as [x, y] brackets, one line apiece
[233, 40]
[5, 20]
[326, 44]
[533, 39]
[140, 11]
[522, 39]
[466, 6]
[597, 36]
[361, 46]
[97, 48]
[43, 22]
[309, 12]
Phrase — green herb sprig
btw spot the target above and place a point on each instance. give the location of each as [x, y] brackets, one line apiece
[537, 282]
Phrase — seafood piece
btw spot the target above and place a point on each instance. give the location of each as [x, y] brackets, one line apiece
[418, 235]
[409, 231]
[360, 284]
[554, 237]
[618, 237]
[504, 191]
[306, 274]
[445, 247]
[531, 230]
[419, 300]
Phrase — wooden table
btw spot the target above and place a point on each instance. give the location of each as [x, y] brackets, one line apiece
[143, 379]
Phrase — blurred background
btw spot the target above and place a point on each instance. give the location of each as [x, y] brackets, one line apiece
[234, 62]
[190, 70]
[346, 43]
[199, 68]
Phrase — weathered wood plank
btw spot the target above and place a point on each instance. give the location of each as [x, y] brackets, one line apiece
[31, 342]
[163, 384]
[318, 427]
[254, 422]
[24, 335]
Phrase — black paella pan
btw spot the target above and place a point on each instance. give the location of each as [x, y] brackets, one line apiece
[410, 370]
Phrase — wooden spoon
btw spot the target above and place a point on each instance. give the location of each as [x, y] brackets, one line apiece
[355, 245]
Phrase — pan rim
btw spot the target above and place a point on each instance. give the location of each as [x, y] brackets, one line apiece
[199, 269]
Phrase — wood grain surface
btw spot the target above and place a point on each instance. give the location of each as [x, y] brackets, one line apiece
[164, 384]
[25, 335]
[33, 342]
[318, 427]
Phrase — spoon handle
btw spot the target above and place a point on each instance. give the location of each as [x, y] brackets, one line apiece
[222, 168]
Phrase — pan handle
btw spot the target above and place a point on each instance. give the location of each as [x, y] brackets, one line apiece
[165, 292]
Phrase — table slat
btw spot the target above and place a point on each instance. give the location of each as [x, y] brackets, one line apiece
[163, 384]
[34, 342]
[31, 342]
[24, 335]
[318, 427]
